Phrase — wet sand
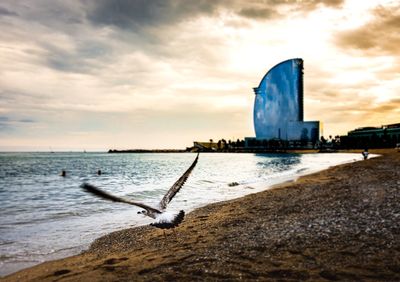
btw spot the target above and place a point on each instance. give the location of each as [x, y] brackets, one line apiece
[339, 224]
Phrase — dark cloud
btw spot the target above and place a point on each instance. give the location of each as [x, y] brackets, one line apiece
[6, 12]
[379, 36]
[81, 59]
[387, 107]
[10, 124]
[26, 120]
[314, 4]
[262, 13]
[60, 16]
[261, 9]
[136, 14]
[8, 120]
[129, 14]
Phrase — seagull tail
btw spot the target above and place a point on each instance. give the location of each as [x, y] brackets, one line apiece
[172, 224]
[179, 218]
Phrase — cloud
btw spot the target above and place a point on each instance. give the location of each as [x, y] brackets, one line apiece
[136, 14]
[6, 12]
[8, 124]
[259, 10]
[83, 36]
[391, 106]
[314, 4]
[357, 112]
[83, 57]
[26, 120]
[380, 36]
[261, 14]
[55, 14]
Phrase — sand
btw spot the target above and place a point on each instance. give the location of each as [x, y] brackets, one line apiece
[339, 224]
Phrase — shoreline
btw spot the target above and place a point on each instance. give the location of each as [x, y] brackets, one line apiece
[340, 223]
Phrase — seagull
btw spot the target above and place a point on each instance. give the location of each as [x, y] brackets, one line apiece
[163, 219]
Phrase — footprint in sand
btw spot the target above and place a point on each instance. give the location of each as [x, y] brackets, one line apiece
[112, 261]
[61, 272]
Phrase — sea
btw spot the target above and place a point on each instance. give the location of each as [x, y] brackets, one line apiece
[44, 216]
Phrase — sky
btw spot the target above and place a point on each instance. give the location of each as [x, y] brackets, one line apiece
[98, 75]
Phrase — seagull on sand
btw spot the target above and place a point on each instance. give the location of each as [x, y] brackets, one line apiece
[163, 219]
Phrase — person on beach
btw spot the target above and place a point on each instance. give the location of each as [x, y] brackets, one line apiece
[365, 154]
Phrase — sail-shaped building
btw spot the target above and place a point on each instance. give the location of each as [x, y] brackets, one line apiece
[278, 105]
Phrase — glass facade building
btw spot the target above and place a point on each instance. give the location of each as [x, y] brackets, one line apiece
[278, 106]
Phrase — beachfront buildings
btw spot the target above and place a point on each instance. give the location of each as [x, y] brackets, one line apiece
[385, 136]
[278, 106]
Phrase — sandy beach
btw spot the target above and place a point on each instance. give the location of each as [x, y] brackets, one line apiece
[339, 224]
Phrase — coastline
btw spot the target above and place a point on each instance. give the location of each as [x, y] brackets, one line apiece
[340, 223]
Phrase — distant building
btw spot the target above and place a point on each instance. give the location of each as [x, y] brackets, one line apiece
[278, 106]
[390, 131]
[372, 137]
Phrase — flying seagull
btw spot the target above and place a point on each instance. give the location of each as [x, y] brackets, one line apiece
[163, 219]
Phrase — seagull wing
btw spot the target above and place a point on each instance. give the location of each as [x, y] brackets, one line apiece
[177, 185]
[99, 193]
